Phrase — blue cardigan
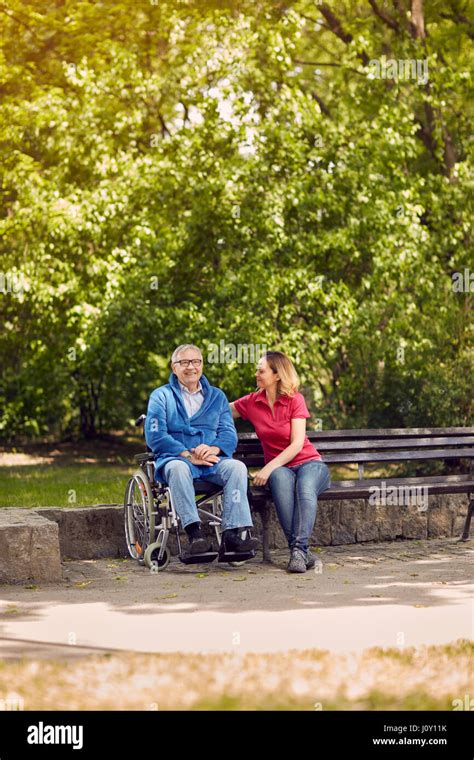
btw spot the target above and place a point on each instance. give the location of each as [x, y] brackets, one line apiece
[169, 430]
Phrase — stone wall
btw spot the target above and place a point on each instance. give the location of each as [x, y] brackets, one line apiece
[355, 521]
[29, 547]
[89, 532]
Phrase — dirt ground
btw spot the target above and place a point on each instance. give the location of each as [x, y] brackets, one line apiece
[381, 594]
[111, 449]
[375, 626]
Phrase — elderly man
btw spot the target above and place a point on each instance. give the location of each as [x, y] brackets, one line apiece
[189, 428]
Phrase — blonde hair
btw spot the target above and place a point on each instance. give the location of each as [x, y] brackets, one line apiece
[289, 381]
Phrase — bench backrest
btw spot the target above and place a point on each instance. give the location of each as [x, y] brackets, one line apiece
[371, 445]
[375, 446]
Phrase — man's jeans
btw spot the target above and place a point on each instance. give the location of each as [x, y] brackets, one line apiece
[229, 473]
[295, 493]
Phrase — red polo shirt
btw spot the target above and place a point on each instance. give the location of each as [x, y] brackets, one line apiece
[274, 432]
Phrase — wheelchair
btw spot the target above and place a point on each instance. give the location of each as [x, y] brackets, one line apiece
[150, 516]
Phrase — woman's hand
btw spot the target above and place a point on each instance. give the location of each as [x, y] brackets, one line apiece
[260, 478]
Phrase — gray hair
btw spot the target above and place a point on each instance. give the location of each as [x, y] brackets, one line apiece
[184, 347]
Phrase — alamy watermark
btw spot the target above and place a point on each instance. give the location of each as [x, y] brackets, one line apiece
[401, 68]
[11, 282]
[463, 282]
[12, 702]
[241, 353]
[53, 734]
[464, 704]
[399, 496]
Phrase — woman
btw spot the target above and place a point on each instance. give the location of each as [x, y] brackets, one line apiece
[293, 468]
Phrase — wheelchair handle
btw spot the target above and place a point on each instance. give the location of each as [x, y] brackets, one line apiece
[141, 419]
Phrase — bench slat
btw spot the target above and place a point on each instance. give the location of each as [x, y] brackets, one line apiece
[256, 448]
[401, 456]
[255, 460]
[361, 489]
[366, 433]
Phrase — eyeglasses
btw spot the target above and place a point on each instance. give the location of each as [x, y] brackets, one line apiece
[189, 362]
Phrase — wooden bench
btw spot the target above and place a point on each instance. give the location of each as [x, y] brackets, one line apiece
[380, 446]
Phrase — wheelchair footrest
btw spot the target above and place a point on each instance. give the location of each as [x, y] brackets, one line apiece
[197, 559]
[236, 556]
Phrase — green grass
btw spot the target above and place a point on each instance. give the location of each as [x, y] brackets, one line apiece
[61, 485]
[69, 484]
[373, 700]
[427, 678]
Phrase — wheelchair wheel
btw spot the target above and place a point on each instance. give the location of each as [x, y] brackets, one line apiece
[138, 515]
[151, 557]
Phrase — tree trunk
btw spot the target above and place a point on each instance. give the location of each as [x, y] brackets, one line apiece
[417, 25]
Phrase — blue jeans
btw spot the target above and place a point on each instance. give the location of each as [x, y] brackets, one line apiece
[295, 493]
[229, 473]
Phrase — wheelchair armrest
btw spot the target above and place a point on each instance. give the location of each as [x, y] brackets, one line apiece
[147, 457]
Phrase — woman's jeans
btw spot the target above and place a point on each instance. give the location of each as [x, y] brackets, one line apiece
[295, 492]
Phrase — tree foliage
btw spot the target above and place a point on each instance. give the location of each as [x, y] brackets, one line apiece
[240, 172]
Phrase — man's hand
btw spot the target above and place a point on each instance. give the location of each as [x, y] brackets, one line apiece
[260, 478]
[190, 456]
[206, 462]
[208, 453]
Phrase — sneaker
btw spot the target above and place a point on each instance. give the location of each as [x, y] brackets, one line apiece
[297, 563]
[310, 560]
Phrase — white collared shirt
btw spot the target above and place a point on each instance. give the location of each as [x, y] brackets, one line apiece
[192, 400]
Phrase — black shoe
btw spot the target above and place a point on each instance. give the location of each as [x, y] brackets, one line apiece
[198, 544]
[232, 542]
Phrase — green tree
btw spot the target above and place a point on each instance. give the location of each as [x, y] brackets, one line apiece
[288, 174]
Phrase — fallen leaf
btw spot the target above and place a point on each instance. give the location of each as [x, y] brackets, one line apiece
[202, 575]
[82, 584]
[242, 578]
